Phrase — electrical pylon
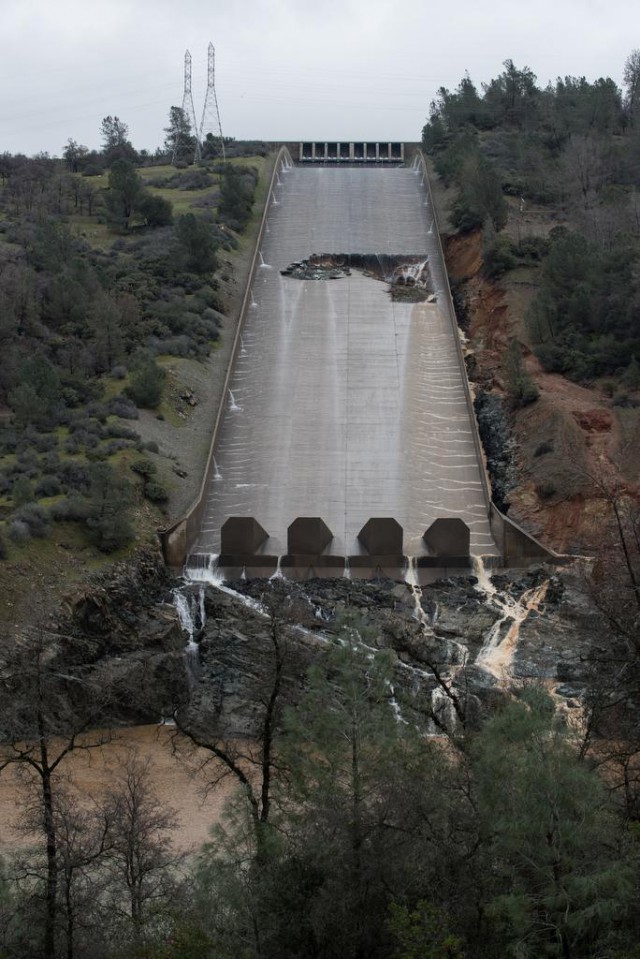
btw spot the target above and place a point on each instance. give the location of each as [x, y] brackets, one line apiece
[210, 122]
[188, 110]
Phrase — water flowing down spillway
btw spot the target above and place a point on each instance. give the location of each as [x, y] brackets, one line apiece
[346, 404]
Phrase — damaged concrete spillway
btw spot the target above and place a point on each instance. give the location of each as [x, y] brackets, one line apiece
[347, 404]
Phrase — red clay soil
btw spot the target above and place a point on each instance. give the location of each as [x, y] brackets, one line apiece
[572, 444]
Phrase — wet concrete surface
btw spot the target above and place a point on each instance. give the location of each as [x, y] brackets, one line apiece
[346, 404]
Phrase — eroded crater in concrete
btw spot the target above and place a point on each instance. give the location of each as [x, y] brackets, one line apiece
[408, 276]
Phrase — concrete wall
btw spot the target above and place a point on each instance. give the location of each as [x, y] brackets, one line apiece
[517, 547]
[177, 539]
[456, 335]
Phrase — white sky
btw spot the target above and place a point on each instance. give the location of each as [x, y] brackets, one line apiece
[285, 69]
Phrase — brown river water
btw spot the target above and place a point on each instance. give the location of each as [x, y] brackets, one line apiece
[176, 784]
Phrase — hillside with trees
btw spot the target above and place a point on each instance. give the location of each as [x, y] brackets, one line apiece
[540, 187]
[572, 148]
[108, 268]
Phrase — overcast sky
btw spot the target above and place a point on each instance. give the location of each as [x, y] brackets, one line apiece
[285, 69]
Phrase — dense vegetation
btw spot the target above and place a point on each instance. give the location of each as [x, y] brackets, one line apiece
[106, 267]
[573, 148]
[351, 835]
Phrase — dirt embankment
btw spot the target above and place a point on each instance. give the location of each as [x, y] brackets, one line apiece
[574, 447]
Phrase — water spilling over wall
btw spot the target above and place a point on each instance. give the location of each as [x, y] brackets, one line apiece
[348, 406]
[348, 441]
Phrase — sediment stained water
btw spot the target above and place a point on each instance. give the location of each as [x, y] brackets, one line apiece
[93, 772]
[347, 405]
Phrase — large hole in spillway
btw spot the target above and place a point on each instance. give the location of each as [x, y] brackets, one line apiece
[408, 275]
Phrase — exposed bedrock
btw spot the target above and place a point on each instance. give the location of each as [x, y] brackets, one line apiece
[478, 637]
[440, 643]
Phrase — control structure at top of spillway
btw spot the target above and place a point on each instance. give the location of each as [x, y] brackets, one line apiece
[333, 151]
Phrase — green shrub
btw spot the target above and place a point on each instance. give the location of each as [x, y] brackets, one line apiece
[36, 518]
[108, 519]
[155, 209]
[498, 257]
[631, 376]
[625, 401]
[144, 468]
[533, 248]
[520, 386]
[19, 531]
[145, 387]
[156, 493]
[524, 391]
[49, 485]
[71, 509]
[22, 491]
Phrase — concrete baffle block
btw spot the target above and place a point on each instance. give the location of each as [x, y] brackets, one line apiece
[382, 537]
[241, 536]
[448, 537]
[308, 536]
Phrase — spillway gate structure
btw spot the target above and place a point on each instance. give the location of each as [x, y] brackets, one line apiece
[348, 443]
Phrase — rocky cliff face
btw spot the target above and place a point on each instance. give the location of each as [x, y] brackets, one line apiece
[459, 646]
[124, 625]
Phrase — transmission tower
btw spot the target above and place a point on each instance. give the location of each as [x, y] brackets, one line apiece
[210, 122]
[188, 110]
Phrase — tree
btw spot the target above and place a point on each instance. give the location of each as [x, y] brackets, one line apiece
[146, 383]
[44, 709]
[116, 145]
[611, 730]
[480, 196]
[513, 97]
[125, 192]
[82, 840]
[423, 933]
[109, 519]
[556, 874]
[362, 814]
[236, 196]
[196, 244]
[155, 209]
[140, 858]
[105, 323]
[74, 155]
[179, 141]
[36, 398]
[521, 387]
[204, 723]
[631, 77]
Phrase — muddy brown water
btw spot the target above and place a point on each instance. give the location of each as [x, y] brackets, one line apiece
[177, 784]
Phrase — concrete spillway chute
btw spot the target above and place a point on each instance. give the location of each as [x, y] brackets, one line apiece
[348, 398]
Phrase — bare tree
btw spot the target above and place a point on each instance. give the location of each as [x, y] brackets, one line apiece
[631, 78]
[250, 760]
[140, 858]
[46, 712]
[82, 839]
[612, 728]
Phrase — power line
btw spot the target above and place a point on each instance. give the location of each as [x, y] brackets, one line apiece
[188, 112]
[210, 123]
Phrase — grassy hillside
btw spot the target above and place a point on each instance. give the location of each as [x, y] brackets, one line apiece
[112, 288]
